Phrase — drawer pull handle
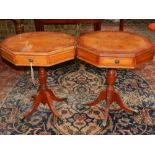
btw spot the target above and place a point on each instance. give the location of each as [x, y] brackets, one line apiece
[117, 61]
[30, 60]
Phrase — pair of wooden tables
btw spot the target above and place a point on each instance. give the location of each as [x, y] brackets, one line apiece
[112, 50]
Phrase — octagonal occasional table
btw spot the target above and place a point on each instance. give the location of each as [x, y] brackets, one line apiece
[41, 49]
[114, 50]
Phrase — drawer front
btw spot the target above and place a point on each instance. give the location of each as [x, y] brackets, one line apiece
[44, 60]
[117, 62]
[25, 60]
[105, 61]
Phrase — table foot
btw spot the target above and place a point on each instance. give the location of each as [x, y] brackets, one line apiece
[35, 105]
[119, 101]
[49, 102]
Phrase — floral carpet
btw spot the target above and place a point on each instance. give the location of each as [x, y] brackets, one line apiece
[80, 85]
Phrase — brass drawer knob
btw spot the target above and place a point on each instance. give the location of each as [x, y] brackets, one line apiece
[117, 61]
[30, 60]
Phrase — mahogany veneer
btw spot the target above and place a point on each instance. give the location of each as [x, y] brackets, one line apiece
[114, 50]
[41, 49]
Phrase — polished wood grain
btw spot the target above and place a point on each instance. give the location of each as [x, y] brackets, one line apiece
[43, 48]
[115, 49]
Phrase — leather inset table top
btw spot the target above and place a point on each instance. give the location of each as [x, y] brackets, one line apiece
[105, 43]
[43, 48]
[38, 42]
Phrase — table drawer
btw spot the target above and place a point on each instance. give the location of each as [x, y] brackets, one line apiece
[117, 62]
[25, 60]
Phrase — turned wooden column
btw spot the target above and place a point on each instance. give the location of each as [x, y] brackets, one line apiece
[109, 93]
[110, 86]
[42, 78]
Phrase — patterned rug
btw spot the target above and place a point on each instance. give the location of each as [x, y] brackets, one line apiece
[80, 85]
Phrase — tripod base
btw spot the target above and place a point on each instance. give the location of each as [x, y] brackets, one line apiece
[116, 98]
[110, 95]
[44, 95]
